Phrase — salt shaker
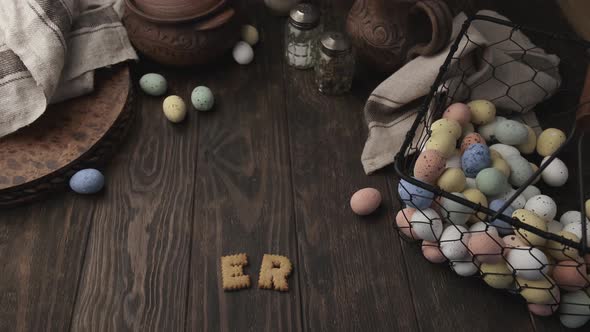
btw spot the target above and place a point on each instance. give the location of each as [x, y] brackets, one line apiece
[334, 67]
[301, 34]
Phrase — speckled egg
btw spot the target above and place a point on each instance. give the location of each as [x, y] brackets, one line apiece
[453, 242]
[543, 206]
[512, 241]
[87, 181]
[402, 219]
[497, 275]
[482, 112]
[453, 212]
[470, 139]
[486, 246]
[560, 251]
[574, 311]
[444, 143]
[249, 34]
[501, 165]
[531, 191]
[529, 146]
[429, 166]
[571, 275]
[414, 196]
[549, 141]
[576, 229]
[476, 197]
[528, 263]
[446, 127]
[427, 224]
[452, 180]
[520, 170]
[503, 227]
[531, 219]
[459, 112]
[571, 217]
[542, 291]
[467, 129]
[153, 84]
[243, 53]
[174, 109]
[491, 181]
[202, 98]
[475, 158]
[432, 253]
[556, 174]
[518, 203]
[506, 151]
[365, 201]
[487, 131]
[511, 132]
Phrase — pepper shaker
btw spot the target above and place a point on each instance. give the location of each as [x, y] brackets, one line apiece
[334, 68]
[301, 34]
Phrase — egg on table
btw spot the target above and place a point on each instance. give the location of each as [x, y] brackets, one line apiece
[174, 109]
[202, 98]
[556, 174]
[87, 181]
[153, 84]
[249, 34]
[414, 196]
[549, 141]
[365, 201]
[429, 166]
[482, 111]
[511, 132]
[543, 206]
[243, 53]
[427, 224]
[475, 158]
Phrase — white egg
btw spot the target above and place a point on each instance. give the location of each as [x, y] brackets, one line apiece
[453, 242]
[487, 131]
[505, 150]
[576, 229]
[575, 309]
[481, 226]
[528, 263]
[453, 212]
[554, 226]
[465, 268]
[427, 224]
[470, 183]
[571, 217]
[530, 191]
[543, 206]
[454, 161]
[243, 53]
[556, 174]
[518, 203]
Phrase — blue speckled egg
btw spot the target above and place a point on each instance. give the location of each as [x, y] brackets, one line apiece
[87, 181]
[153, 84]
[414, 196]
[202, 98]
[502, 226]
[475, 158]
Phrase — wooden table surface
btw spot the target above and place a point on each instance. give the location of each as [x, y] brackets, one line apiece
[271, 170]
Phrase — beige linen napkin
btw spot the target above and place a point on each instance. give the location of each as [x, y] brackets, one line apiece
[49, 51]
[511, 72]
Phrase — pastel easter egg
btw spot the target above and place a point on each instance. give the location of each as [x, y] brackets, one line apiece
[471, 139]
[153, 84]
[576, 229]
[365, 201]
[531, 219]
[571, 217]
[87, 181]
[554, 226]
[202, 98]
[495, 154]
[529, 146]
[446, 127]
[465, 268]
[549, 141]
[467, 129]
[476, 197]
[475, 158]
[531, 191]
[543, 206]
[429, 166]
[520, 170]
[571, 275]
[470, 183]
[459, 112]
[482, 111]
[402, 219]
[455, 160]
[506, 151]
[249, 34]
[491, 181]
[174, 109]
[510, 242]
[432, 252]
[542, 310]
[511, 132]
[501, 165]
[453, 212]
[453, 242]
[556, 174]
[528, 263]
[517, 203]
[414, 196]
[427, 224]
[243, 53]
[452, 180]
[444, 143]
[502, 226]
[561, 251]
[486, 246]
[497, 275]
[542, 291]
[574, 311]
[487, 131]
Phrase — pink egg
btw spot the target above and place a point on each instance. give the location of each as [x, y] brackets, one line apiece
[471, 139]
[571, 275]
[545, 309]
[402, 220]
[429, 166]
[459, 112]
[365, 201]
[486, 247]
[432, 253]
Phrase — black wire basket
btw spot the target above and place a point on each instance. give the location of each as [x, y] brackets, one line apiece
[548, 267]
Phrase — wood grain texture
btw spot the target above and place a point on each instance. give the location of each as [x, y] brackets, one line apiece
[243, 200]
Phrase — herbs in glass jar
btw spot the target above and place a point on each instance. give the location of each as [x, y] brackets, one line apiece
[334, 68]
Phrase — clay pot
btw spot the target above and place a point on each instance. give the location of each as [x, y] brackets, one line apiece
[181, 42]
[389, 33]
[178, 10]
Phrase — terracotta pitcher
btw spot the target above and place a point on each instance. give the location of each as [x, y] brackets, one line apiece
[389, 33]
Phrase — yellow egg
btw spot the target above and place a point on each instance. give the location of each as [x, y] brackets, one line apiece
[444, 143]
[549, 141]
[560, 251]
[495, 154]
[476, 197]
[531, 219]
[446, 126]
[482, 112]
[452, 180]
[531, 143]
[588, 208]
[174, 109]
[497, 275]
[543, 291]
[501, 165]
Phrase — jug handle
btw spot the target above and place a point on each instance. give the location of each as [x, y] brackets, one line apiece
[441, 20]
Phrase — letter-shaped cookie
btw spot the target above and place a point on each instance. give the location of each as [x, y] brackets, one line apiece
[232, 273]
[274, 271]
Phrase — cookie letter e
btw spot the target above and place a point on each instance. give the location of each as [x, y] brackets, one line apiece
[274, 272]
[232, 272]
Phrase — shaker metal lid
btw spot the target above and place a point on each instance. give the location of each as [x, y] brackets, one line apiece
[335, 42]
[305, 16]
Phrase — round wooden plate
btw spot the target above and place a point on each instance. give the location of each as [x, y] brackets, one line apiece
[69, 136]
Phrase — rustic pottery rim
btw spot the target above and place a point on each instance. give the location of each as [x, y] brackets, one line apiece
[132, 7]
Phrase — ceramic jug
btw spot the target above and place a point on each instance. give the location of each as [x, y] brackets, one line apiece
[389, 33]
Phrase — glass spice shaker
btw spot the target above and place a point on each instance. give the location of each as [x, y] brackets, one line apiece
[301, 34]
[334, 68]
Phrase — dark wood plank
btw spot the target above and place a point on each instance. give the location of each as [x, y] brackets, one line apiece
[243, 200]
[137, 263]
[41, 254]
